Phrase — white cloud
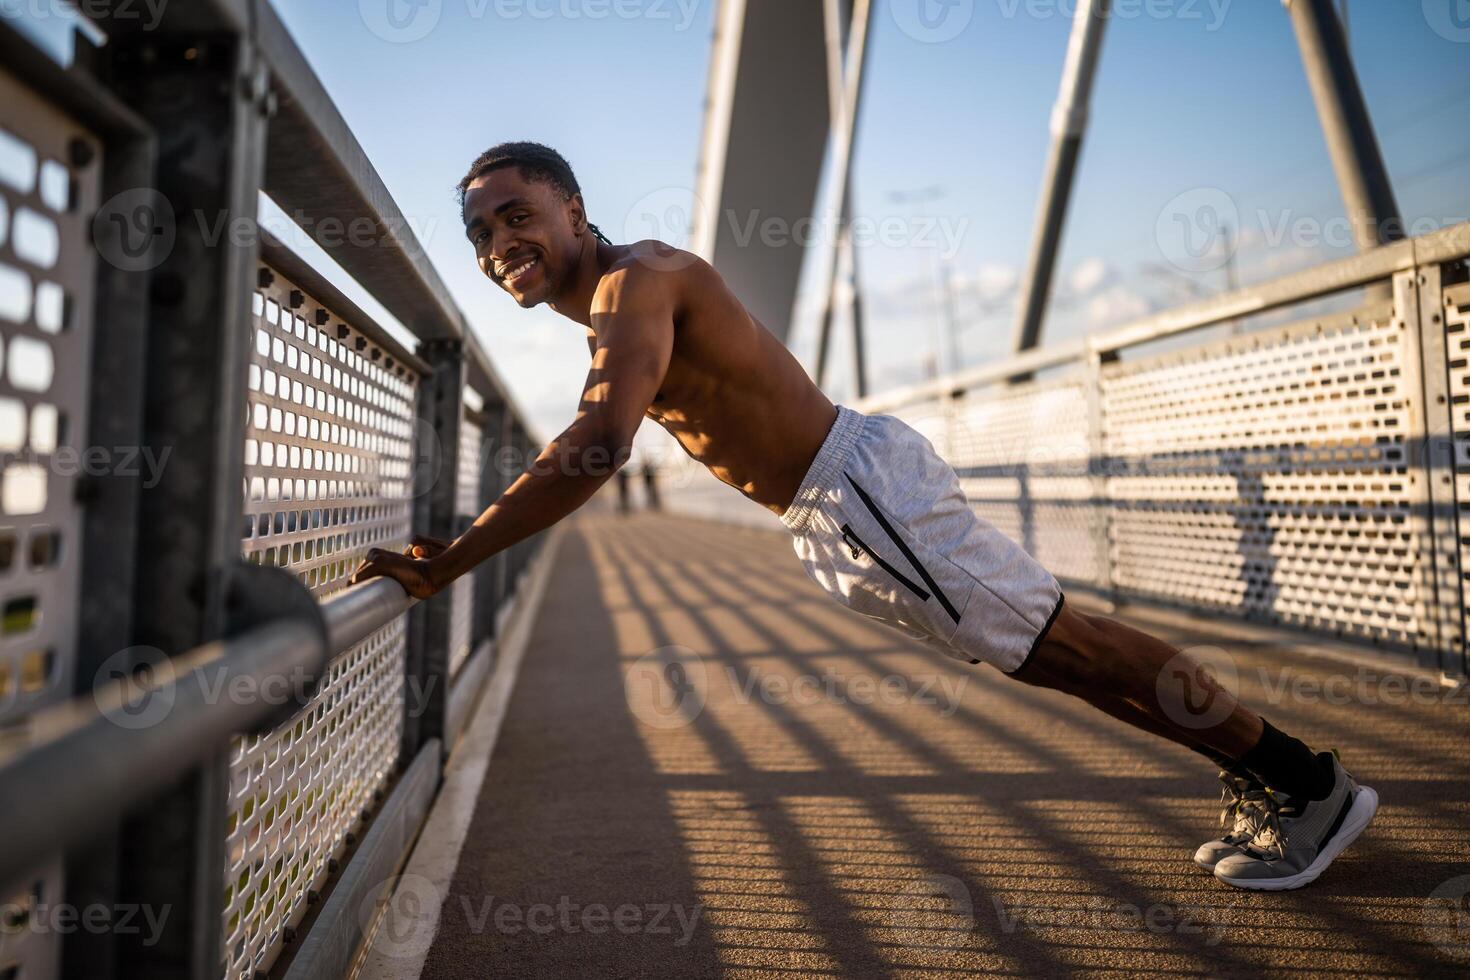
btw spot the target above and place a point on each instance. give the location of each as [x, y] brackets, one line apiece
[1116, 305]
[996, 281]
[1089, 275]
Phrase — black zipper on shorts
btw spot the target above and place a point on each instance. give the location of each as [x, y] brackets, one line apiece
[914, 561]
[856, 544]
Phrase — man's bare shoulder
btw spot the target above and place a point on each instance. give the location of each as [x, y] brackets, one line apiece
[653, 267]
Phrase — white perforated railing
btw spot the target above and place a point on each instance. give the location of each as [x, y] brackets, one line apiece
[1270, 476]
[337, 418]
[328, 468]
[1275, 476]
[1022, 458]
[46, 269]
[329, 449]
[1264, 475]
[1457, 347]
[47, 266]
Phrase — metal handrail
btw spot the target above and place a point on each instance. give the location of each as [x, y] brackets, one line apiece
[133, 751]
[337, 180]
[316, 168]
[91, 759]
[1318, 281]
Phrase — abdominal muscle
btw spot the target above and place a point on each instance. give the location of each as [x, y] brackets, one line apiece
[738, 402]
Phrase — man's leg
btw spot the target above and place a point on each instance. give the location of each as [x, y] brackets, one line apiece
[1313, 810]
[1109, 659]
[1126, 712]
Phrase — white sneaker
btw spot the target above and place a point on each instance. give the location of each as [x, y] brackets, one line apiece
[1300, 838]
[1243, 814]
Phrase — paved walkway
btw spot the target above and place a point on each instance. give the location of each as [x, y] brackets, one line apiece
[849, 804]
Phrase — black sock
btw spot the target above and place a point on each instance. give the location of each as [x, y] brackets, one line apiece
[1285, 763]
[1224, 761]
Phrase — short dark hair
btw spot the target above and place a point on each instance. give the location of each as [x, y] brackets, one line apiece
[536, 163]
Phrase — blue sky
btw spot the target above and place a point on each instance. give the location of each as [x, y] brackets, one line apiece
[1205, 98]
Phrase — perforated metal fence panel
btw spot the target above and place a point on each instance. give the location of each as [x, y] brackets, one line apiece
[1021, 455]
[329, 448]
[467, 506]
[1022, 459]
[47, 265]
[328, 474]
[1457, 345]
[49, 180]
[1268, 475]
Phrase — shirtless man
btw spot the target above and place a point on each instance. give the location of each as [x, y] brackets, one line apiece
[878, 519]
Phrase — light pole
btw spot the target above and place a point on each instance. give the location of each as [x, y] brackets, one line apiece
[946, 351]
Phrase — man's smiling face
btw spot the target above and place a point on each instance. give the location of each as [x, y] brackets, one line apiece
[526, 237]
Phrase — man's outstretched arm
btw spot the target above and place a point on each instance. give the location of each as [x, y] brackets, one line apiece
[634, 326]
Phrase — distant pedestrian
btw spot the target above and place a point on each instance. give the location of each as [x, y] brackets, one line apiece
[624, 504]
[650, 486]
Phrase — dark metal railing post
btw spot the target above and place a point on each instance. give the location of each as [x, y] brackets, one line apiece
[111, 532]
[521, 553]
[441, 412]
[1419, 302]
[508, 462]
[1099, 467]
[207, 99]
[489, 581]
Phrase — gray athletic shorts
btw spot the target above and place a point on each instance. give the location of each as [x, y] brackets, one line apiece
[881, 524]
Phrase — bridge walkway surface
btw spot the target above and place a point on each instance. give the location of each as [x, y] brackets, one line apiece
[847, 803]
